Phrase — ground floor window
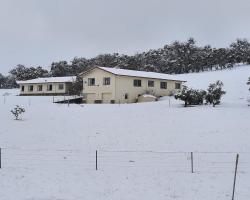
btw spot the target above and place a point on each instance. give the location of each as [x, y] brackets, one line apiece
[22, 88]
[177, 86]
[151, 83]
[61, 86]
[40, 88]
[49, 87]
[163, 85]
[126, 96]
[31, 88]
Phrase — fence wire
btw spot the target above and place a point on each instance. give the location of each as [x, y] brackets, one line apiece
[203, 162]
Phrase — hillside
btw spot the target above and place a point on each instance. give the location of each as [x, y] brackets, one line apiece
[143, 149]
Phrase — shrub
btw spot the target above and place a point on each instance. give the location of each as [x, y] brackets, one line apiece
[17, 111]
[215, 93]
[191, 96]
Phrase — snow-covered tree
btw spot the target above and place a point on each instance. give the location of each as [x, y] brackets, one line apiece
[214, 93]
[191, 96]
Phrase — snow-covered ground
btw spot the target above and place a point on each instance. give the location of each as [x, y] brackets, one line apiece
[143, 149]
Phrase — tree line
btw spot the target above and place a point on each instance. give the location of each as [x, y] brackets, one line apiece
[175, 58]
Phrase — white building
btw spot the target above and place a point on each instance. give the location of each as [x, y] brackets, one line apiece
[46, 86]
[111, 85]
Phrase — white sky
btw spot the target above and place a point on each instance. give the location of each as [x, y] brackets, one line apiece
[37, 32]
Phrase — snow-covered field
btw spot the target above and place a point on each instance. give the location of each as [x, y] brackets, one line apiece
[143, 149]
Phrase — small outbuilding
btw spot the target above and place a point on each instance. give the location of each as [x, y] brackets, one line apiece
[46, 86]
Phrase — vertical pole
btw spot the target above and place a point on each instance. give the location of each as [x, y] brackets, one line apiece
[0, 158]
[192, 163]
[68, 99]
[235, 174]
[96, 160]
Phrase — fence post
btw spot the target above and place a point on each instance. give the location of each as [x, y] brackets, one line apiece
[0, 158]
[96, 160]
[192, 163]
[235, 174]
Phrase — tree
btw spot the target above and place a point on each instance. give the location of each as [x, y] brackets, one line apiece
[191, 96]
[248, 82]
[76, 87]
[22, 73]
[2, 81]
[215, 93]
[17, 111]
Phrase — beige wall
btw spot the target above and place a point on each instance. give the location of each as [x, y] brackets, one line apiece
[125, 85]
[55, 89]
[99, 91]
[120, 85]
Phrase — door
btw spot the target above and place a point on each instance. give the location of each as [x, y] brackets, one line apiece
[106, 97]
[90, 98]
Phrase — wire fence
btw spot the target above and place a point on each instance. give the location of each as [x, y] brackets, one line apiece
[183, 162]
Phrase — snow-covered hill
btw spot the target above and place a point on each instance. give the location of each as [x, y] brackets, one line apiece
[143, 149]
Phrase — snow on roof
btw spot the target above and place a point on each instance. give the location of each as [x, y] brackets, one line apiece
[67, 79]
[142, 74]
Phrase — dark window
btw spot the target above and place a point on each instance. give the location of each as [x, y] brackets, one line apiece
[91, 81]
[126, 96]
[151, 83]
[49, 87]
[163, 85]
[31, 88]
[22, 88]
[177, 86]
[106, 81]
[137, 83]
[61, 86]
[39, 88]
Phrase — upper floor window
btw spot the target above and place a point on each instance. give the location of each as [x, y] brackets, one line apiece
[151, 83]
[164, 85]
[91, 81]
[49, 87]
[31, 88]
[177, 86]
[137, 83]
[61, 86]
[39, 88]
[106, 81]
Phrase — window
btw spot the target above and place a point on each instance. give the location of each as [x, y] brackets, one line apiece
[61, 86]
[151, 83]
[106, 81]
[163, 85]
[177, 86]
[39, 88]
[31, 88]
[22, 88]
[91, 81]
[49, 87]
[126, 96]
[137, 83]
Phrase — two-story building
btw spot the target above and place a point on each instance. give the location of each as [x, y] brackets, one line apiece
[112, 85]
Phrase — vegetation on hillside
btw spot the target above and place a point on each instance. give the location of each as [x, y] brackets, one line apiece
[175, 58]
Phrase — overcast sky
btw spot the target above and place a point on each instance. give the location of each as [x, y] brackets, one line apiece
[37, 32]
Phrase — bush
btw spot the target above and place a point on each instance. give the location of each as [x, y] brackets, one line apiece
[215, 93]
[191, 96]
[17, 111]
